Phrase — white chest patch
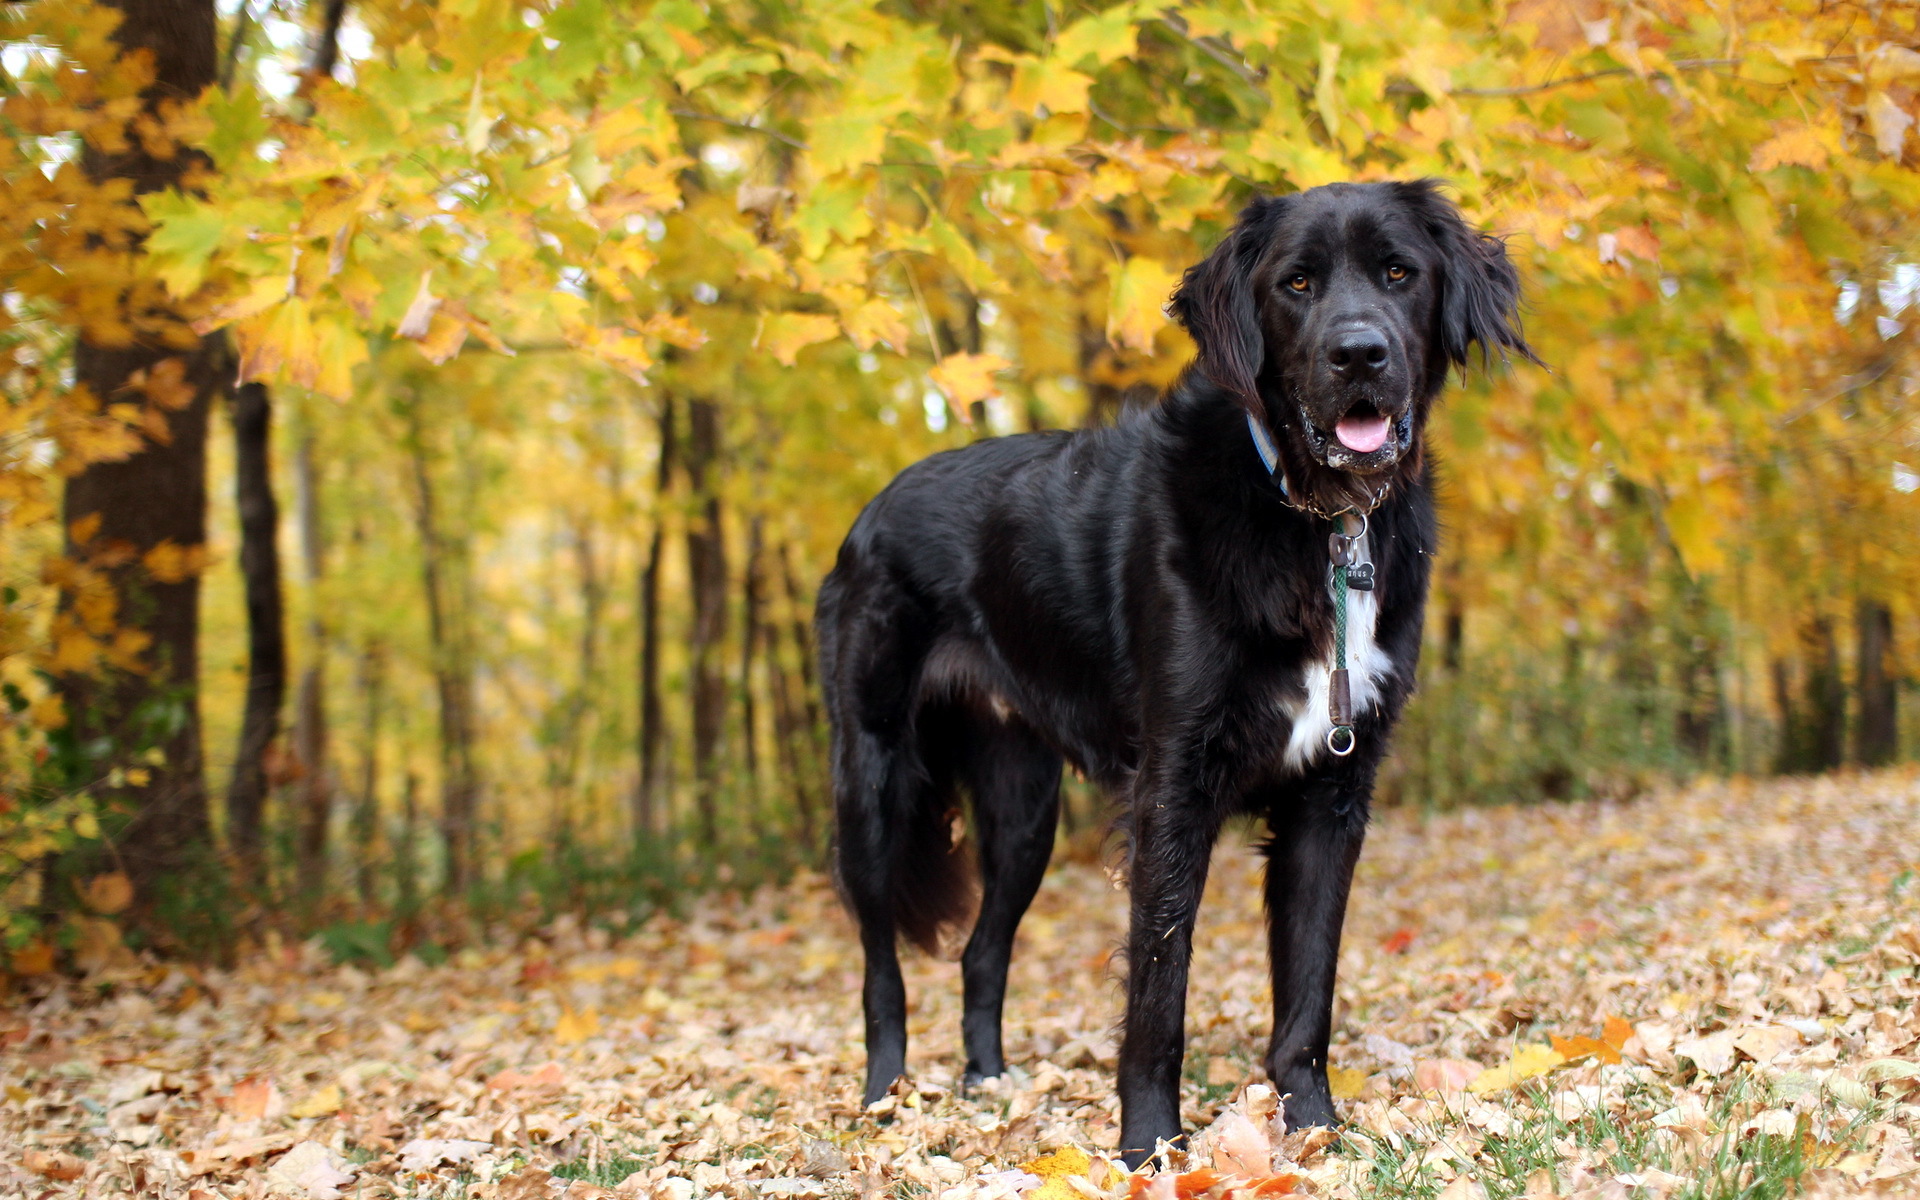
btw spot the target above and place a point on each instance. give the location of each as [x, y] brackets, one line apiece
[1367, 670]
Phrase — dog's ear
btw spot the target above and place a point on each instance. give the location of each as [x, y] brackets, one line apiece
[1479, 289]
[1215, 303]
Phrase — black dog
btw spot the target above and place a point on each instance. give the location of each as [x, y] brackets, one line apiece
[1155, 603]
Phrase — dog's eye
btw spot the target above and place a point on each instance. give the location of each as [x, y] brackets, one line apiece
[1396, 272]
[1299, 283]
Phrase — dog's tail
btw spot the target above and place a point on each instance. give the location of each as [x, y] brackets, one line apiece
[935, 885]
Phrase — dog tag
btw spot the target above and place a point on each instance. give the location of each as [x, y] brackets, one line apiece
[1340, 549]
[1360, 577]
[1339, 698]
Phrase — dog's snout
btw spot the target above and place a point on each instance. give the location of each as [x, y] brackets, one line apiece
[1358, 352]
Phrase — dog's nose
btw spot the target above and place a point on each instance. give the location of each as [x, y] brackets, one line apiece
[1358, 352]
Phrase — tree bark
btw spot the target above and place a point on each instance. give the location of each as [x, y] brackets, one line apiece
[750, 620]
[1878, 735]
[366, 807]
[315, 786]
[1826, 697]
[648, 796]
[707, 570]
[452, 673]
[266, 626]
[149, 720]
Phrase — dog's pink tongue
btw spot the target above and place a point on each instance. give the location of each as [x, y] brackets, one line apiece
[1362, 435]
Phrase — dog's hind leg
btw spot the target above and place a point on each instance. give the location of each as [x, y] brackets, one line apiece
[1015, 781]
[867, 849]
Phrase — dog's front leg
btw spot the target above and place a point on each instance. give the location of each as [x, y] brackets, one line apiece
[1173, 834]
[1310, 860]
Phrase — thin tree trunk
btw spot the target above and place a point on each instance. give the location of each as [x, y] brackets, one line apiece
[750, 618]
[406, 855]
[1826, 697]
[593, 605]
[452, 674]
[707, 562]
[157, 495]
[802, 638]
[266, 631]
[1878, 740]
[787, 731]
[1789, 756]
[648, 796]
[315, 806]
[366, 807]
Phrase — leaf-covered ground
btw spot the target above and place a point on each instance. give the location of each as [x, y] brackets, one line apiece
[1704, 993]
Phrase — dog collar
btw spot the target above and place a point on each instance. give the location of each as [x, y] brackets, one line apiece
[1270, 457]
[1269, 454]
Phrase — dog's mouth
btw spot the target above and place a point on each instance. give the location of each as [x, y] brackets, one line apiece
[1364, 440]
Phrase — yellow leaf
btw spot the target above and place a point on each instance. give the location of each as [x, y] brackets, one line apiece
[1527, 1062]
[784, 335]
[1800, 146]
[322, 1103]
[170, 562]
[48, 712]
[965, 377]
[575, 1027]
[1346, 1082]
[1051, 84]
[876, 320]
[1054, 1170]
[1136, 311]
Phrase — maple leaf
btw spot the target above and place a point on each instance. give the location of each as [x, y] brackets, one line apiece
[964, 378]
[575, 1027]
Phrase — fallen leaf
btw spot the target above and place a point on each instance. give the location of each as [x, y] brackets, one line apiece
[1444, 1075]
[1239, 1146]
[54, 1164]
[575, 1027]
[422, 1154]
[324, 1102]
[1527, 1063]
[1712, 1054]
[1345, 1082]
[548, 1078]
[1053, 1171]
[1574, 1049]
[1764, 1043]
[252, 1099]
[311, 1170]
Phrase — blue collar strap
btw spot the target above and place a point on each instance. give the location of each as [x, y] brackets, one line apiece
[1269, 454]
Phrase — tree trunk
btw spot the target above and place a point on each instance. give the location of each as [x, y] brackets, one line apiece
[707, 563]
[803, 638]
[366, 806]
[266, 631]
[149, 720]
[452, 673]
[648, 796]
[593, 605]
[315, 785]
[1878, 738]
[1826, 697]
[750, 618]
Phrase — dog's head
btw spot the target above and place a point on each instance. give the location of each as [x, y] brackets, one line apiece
[1334, 315]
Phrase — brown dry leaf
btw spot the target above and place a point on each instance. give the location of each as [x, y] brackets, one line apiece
[54, 1164]
[312, 1171]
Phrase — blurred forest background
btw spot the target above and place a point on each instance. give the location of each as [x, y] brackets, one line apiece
[426, 424]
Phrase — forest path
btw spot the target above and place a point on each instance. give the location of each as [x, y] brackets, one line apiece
[1754, 945]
